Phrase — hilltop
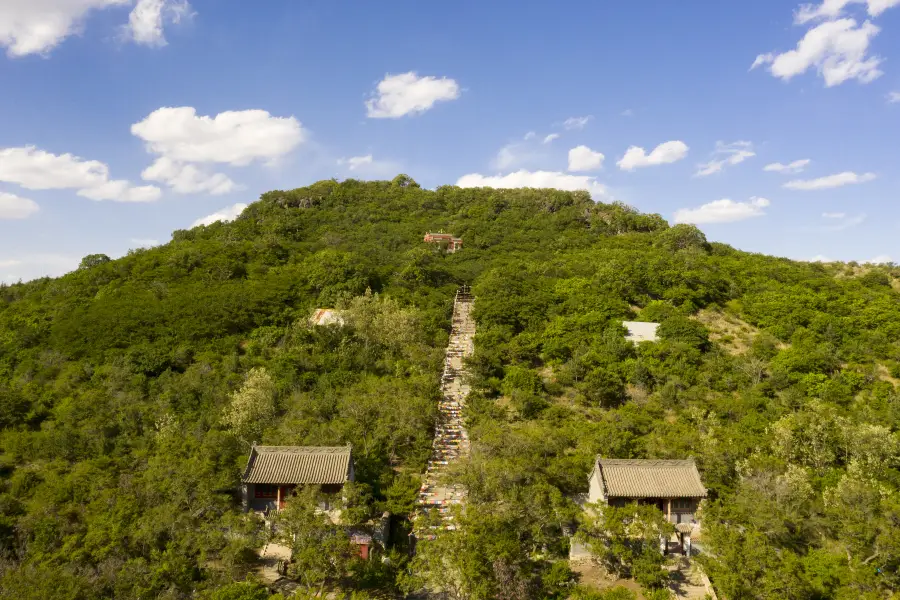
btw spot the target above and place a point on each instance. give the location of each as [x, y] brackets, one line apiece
[120, 452]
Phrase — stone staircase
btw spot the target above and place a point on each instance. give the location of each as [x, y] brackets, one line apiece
[450, 438]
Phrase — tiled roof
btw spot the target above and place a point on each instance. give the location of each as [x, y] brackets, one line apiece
[650, 478]
[298, 464]
[641, 332]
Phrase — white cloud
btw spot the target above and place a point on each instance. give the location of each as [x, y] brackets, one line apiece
[668, 152]
[355, 162]
[723, 211]
[834, 215]
[370, 166]
[229, 213]
[831, 181]
[893, 97]
[842, 223]
[550, 138]
[149, 17]
[582, 158]
[34, 266]
[628, 113]
[16, 207]
[517, 154]
[529, 136]
[830, 9]
[881, 259]
[36, 169]
[233, 137]
[837, 49]
[238, 138]
[536, 179]
[798, 166]
[144, 243]
[726, 154]
[188, 179]
[577, 122]
[408, 94]
[38, 26]
[122, 191]
[820, 258]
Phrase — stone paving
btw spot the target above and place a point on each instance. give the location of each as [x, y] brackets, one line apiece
[450, 439]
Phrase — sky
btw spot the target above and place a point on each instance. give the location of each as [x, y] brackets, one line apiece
[771, 125]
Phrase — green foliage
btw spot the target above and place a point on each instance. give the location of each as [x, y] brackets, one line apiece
[627, 540]
[93, 260]
[129, 390]
[242, 591]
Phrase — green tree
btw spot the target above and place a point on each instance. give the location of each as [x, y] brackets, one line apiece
[627, 540]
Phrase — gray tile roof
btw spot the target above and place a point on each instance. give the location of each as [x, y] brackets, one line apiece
[298, 464]
[650, 478]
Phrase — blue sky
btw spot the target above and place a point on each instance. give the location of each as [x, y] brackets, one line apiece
[278, 94]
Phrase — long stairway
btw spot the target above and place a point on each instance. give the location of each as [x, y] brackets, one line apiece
[450, 439]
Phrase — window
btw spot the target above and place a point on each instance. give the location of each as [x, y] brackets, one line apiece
[683, 504]
[264, 490]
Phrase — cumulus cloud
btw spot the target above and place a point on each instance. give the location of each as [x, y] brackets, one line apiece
[122, 191]
[229, 213]
[355, 162]
[550, 138]
[38, 26]
[798, 166]
[536, 179]
[893, 97]
[838, 50]
[726, 154]
[408, 94]
[668, 152]
[529, 136]
[723, 211]
[149, 17]
[36, 169]
[881, 259]
[233, 137]
[16, 207]
[577, 122]
[830, 9]
[831, 181]
[182, 140]
[188, 179]
[582, 158]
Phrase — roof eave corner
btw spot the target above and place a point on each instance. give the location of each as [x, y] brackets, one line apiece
[250, 458]
[596, 469]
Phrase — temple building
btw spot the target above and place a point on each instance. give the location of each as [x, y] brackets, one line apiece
[445, 239]
[274, 472]
[673, 486]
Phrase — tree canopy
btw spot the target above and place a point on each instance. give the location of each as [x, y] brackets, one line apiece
[130, 388]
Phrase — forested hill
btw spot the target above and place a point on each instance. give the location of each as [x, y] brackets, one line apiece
[129, 391]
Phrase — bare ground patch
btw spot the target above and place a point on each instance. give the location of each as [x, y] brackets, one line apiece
[727, 330]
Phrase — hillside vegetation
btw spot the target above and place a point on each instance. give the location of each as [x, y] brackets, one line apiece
[131, 389]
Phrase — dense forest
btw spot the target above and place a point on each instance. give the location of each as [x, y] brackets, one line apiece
[131, 389]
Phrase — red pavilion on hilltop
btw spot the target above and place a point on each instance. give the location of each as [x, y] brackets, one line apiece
[445, 239]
